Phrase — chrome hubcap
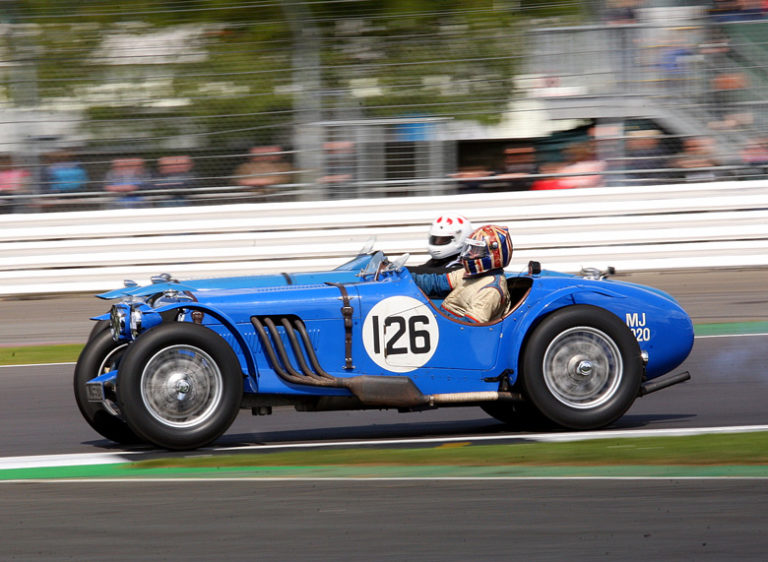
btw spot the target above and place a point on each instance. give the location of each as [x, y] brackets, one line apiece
[582, 367]
[181, 386]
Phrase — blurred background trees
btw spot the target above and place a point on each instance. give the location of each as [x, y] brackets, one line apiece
[184, 74]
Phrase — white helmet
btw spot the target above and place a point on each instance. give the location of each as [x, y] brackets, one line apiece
[447, 235]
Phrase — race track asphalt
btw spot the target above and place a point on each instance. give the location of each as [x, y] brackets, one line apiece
[628, 520]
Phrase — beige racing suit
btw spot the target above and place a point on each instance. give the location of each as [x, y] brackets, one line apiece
[481, 298]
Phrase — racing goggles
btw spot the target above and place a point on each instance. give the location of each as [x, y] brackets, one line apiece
[474, 249]
[440, 240]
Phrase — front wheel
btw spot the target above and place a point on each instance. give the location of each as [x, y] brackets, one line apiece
[99, 356]
[98, 327]
[582, 367]
[180, 386]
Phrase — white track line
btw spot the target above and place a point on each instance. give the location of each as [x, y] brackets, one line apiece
[118, 457]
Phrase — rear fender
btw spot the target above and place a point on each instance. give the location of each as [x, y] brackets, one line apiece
[517, 333]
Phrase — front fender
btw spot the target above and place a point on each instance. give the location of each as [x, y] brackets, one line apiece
[225, 321]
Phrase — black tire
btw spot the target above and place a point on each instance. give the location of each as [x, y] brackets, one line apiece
[99, 356]
[98, 327]
[582, 367]
[180, 386]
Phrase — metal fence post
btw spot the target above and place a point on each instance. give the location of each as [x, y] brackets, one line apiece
[307, 88]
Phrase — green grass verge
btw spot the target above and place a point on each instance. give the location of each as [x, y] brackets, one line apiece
[718, 455]
[731, 328]
[26, 355]
[697, 450]
[126, 472]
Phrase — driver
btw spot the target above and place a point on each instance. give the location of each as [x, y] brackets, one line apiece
[446, 239]
[478, 292]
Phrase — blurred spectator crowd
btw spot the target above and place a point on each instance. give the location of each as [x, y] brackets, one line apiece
[61, 181]
[597, 156]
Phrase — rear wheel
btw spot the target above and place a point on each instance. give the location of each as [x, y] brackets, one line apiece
[100, 355]
[180, 386]
[581, 367]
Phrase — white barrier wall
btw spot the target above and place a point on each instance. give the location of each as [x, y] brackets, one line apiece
[639, 228]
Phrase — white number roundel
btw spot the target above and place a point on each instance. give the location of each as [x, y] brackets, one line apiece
[400, 334]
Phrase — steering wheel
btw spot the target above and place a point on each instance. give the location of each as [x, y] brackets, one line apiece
[386, 266]
[381, 269]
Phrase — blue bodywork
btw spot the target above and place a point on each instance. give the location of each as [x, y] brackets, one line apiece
[165, 282]
[396, 331]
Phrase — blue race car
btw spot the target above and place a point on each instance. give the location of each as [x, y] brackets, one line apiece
[574, 350]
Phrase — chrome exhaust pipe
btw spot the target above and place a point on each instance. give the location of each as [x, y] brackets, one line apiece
[663, 382]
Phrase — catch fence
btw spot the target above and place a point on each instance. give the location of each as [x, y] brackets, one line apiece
[162, 104]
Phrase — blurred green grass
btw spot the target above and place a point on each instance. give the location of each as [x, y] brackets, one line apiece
[27, 355]
[695, 450]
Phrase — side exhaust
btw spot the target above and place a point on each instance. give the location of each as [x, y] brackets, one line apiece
[663, 382]
[372, 391]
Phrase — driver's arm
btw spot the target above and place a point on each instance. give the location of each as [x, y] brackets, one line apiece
[434, 285]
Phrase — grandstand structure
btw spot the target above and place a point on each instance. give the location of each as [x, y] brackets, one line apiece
[687, 72]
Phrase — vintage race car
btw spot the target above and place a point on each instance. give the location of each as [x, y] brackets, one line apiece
[575, 351]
